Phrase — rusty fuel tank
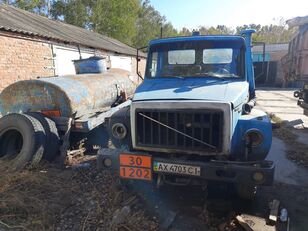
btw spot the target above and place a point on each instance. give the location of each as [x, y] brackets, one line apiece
[74, 95]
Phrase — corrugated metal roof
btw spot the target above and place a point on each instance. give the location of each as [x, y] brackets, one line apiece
[20, 21]
[271, 47]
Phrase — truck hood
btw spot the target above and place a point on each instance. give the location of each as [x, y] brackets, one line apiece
[235, 92]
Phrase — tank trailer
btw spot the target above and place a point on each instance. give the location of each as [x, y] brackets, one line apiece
[43, 118]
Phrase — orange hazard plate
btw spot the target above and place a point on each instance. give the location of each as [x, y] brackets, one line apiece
[135, 166]
[136, 173]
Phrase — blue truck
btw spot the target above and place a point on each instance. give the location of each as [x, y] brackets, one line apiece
[193, 120]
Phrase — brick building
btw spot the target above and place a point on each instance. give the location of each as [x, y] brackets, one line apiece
[34, 46]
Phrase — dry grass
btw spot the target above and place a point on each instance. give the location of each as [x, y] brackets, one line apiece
[30, 199]
[52, 199]
[275, 119]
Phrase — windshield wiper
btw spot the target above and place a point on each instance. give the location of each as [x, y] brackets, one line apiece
[220, 76]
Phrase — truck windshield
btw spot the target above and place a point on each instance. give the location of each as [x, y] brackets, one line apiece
[197, 59]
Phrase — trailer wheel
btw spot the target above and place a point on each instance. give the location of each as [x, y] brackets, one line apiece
[52, 135]
[22, 140]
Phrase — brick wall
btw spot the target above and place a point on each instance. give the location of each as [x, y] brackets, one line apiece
[22, 59]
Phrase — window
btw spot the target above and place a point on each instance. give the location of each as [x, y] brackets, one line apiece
[202, 59]
[217, 56]
[181, 57]
[154, 64]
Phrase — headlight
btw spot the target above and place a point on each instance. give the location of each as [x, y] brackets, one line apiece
[119, 131]
[258, 177]
[254, 137]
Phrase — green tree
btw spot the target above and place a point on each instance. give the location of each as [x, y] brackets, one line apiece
[135, 22]
[151, 24]
[218, 30]
[184, 32]
[148, 24]
[116, 19]
[74, 12]
[168, 30]
[41, 7]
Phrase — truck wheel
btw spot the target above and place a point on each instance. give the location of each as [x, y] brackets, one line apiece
[22, 140]
[246, 192]
[52, 135]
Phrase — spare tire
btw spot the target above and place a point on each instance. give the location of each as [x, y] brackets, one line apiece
[22, 140]
[52, 136]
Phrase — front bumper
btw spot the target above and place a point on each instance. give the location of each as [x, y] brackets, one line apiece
[224, 171]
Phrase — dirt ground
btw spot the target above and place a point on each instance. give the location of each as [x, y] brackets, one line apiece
[78, 198]
[82, 198]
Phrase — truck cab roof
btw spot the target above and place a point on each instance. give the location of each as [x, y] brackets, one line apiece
[225, 38]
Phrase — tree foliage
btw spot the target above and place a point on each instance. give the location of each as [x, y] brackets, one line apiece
[41, 7]
[269, 33]
[115, 18]
[71, 11]
[151, 24]
[135, 22]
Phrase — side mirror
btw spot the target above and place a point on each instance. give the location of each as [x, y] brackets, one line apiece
[138, 59]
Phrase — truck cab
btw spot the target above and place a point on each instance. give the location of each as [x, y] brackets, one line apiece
[192, 120]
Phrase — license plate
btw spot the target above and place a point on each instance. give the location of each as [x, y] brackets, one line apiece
[135, 166]
[176, 168]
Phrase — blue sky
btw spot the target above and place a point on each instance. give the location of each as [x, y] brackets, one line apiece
[194, 13]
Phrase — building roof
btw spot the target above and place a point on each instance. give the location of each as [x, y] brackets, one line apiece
[271, 47]
[20, 21]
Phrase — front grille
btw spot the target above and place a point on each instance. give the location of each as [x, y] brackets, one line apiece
[204, 125]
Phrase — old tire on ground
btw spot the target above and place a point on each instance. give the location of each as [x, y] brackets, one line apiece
[52, 136]
[246, 192]
[22, 140]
